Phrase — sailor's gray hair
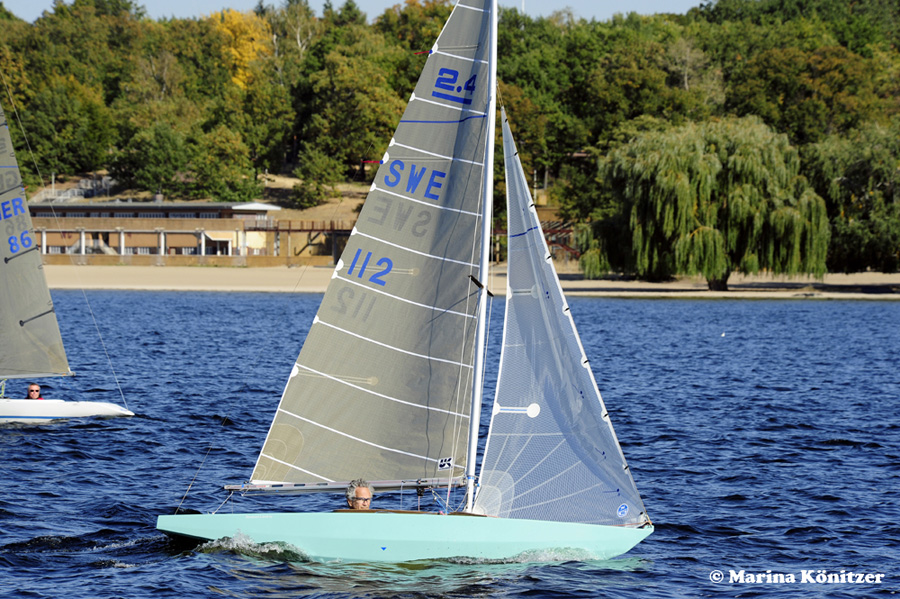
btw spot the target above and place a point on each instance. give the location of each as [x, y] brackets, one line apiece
[355, 484]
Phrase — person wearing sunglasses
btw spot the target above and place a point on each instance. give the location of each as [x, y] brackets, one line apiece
[359, 495]
[34, 391]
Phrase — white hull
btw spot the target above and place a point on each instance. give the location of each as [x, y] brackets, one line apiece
[42, 410]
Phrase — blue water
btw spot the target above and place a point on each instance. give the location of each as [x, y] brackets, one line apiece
[763, 436]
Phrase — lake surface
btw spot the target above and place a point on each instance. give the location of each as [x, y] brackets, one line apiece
[763, 435]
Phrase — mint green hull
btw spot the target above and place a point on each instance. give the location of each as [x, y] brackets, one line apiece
[400, 537]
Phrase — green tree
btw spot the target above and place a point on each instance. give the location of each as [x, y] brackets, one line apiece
[220, 164]
[859, 175]
[414, 27]
[153, 160]
[318, 173]
[69, 126]
[353, 107]
[294, 28]
[266, 120]
[719, 197]
[807, 94]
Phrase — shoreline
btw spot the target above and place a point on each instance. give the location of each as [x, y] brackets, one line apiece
[314, 279]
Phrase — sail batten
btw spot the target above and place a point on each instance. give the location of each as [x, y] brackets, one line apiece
[439, 156]
[410, 302]
[295, 467]
[398, 349]
[391, 399]
[429, 204]
[355, 439]
[423, 254]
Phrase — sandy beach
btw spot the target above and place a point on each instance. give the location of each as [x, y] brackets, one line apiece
[314, 279]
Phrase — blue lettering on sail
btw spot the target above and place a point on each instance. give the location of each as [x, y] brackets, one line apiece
[416, 175]
[386, 265]
[448, 80]
[414, 179]
[434, 184]
[11, 208]
[18, 240]
[395, 169]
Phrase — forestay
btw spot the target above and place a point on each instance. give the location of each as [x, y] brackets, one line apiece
[551, 452]
[32, 346]
[382, 386]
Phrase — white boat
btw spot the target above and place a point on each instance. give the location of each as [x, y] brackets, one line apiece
[31, 346]
[388, 384]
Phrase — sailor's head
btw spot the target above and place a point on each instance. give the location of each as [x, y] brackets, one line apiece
[359, 495]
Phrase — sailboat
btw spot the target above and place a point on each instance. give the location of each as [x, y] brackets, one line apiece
[388, 384]
[31, 346]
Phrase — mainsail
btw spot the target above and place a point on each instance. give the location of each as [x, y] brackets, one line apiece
[382, 386]
[551, 452]
[32, 346]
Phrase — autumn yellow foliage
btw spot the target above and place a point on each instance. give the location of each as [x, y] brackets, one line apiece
[247, 40]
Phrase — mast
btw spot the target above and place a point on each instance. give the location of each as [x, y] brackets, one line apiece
[484, 264]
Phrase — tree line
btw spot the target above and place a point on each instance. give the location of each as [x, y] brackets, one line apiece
[745, 135]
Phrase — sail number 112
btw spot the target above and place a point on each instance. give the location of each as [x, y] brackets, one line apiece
[385, 264]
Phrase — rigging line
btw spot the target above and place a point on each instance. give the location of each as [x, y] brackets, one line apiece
[191, 484]
[103, 345]
[223, 503]
[15, 109]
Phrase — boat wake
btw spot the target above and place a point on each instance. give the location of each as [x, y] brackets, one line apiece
[242, 544]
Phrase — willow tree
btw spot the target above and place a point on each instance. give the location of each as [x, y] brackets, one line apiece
[719, 197]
